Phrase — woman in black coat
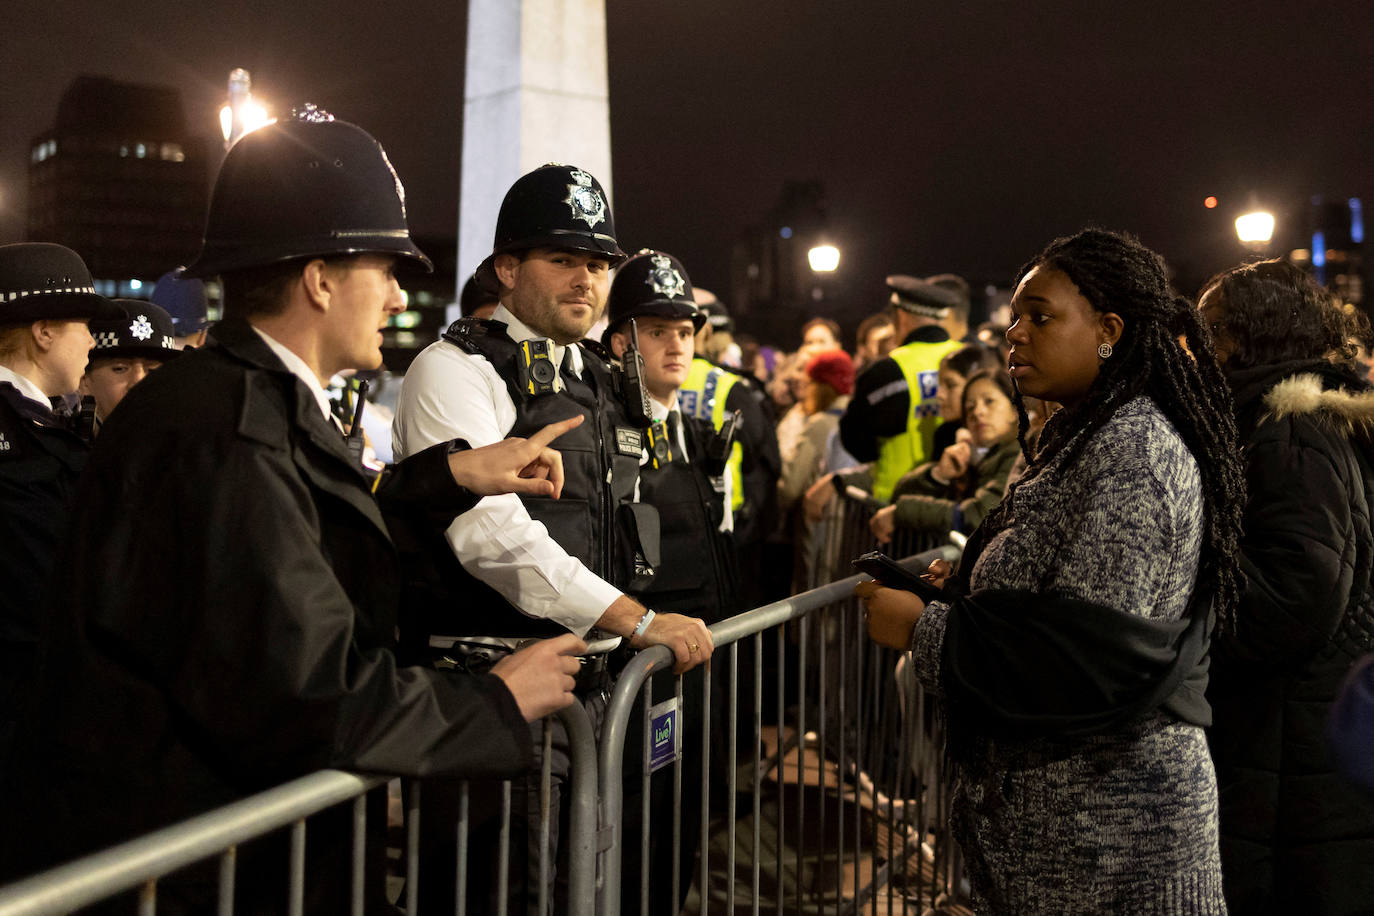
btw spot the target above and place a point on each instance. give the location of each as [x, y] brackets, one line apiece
[1295, 836]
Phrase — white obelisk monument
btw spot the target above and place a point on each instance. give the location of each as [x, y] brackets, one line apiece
[535, 92]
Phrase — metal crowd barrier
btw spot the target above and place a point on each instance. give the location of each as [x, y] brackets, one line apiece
[851, 769]
[141, 862]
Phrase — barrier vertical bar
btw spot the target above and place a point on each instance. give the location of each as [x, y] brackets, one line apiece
[646, 718]
[503, 856]
[460, 883]
[804, 649]
[296, 898]
[822, 771]
[581, 841]
[840, 765]
[782, 757]
[545, 803]
[413, 848]
[227, 862]
[147, 898]
[758, 761]
[732, 779]
[355, 901]
[704, 841]
[677, 801]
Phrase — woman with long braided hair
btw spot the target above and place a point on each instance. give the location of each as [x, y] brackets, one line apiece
[1071, 649]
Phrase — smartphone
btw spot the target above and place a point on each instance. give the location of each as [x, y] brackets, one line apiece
[893, 575]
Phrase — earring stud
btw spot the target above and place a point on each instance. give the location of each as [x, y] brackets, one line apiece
[1104, 350]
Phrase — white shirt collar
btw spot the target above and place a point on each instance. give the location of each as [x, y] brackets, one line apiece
[518, 331]
[301, 370]
[27, 388]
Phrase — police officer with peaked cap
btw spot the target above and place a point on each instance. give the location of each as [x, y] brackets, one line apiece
[228, 615]
[892, 417]
[126, 349]
[686, 480]
[46, 299]
[183, 298]
[533, 566]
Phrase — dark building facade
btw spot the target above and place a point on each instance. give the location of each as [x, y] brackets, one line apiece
[121, 180]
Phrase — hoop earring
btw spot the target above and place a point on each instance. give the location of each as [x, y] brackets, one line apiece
[1104, 350]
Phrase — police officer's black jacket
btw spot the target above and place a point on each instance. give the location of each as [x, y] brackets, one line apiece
[699, 575]
[595, 520]
[226, 622]
[40, 461]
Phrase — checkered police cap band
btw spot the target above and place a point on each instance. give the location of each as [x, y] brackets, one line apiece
[59, 290]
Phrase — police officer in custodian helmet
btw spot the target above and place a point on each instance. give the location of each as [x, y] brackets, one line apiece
[269, 654]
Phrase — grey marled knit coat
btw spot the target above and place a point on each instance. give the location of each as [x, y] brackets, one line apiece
[1124, 822]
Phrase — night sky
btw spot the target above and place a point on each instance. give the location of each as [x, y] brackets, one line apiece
[946, 140]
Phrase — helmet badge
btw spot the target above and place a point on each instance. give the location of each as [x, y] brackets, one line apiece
[141, 328]
[664, 277]
[585, 200]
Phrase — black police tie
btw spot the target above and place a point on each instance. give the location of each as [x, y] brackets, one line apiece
[675, 433]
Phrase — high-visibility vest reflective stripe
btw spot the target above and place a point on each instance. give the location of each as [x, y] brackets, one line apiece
[704, 395]
[920, 363]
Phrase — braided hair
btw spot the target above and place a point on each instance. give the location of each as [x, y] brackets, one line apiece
[1114, 272]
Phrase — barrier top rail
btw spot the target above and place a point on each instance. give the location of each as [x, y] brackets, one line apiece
[131, 864]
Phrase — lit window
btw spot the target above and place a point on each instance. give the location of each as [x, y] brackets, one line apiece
[171, 152]
[52, 147]
[123, 152]
[140, 150]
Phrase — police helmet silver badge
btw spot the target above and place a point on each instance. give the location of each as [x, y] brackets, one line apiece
[585, 200]
[141, 328]
[664, 277]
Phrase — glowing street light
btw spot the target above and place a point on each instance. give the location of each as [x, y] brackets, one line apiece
[824, 258]
[242, 113]
[1255, 228]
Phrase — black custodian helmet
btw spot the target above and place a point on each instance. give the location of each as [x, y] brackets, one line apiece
[555, 206]
[305, 186]
[652, 283]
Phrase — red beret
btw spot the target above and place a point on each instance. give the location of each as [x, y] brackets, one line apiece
[833, 368]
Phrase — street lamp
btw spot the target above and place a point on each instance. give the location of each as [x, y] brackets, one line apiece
[824, 258]
[242, 113]
[1255, 228]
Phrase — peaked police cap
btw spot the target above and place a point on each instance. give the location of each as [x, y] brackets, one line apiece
[652, 283]
[142, 330]
[40, 281]
[308, 186]
[555, 206]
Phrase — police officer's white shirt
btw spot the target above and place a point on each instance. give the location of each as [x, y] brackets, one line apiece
[25, 387]
[450, 394]
[658, 412]
[301, 370]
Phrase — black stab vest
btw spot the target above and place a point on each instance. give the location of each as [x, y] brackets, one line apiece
[700, 577]
[595, 520]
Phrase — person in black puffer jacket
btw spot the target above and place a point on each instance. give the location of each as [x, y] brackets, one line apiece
[1295, 835]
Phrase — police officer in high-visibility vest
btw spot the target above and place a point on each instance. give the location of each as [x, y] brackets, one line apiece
[892, 416]
[536, 566]
[685, 479]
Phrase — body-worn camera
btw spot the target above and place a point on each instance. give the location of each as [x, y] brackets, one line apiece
[536, 369]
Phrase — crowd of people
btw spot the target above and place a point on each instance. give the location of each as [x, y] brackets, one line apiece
[1167, 579]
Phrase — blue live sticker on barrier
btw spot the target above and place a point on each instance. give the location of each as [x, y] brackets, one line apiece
[665, 742]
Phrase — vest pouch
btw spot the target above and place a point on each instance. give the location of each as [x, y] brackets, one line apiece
[638, 554]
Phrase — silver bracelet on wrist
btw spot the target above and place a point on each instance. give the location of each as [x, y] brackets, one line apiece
[643, 624]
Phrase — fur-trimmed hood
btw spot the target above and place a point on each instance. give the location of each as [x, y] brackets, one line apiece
[1305, 395]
